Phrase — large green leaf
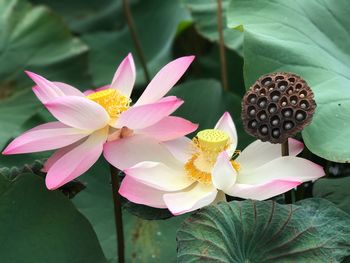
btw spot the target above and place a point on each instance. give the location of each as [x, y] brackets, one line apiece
[146, 241]
[206, 101]
[156, 29]
[204, 13]
[335, 190]
[88, 15]
[14, 112]
[314, 230]
[38, 225]
[312, 39]
[37, 40]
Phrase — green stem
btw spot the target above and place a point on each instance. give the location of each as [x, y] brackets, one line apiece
[222, 47]
[135, 38]
[118, 216]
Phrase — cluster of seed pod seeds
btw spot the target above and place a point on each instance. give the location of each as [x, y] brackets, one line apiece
[277, 106]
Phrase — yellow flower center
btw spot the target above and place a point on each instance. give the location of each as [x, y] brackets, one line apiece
[212, 140]
[111, 100]
[208, 144]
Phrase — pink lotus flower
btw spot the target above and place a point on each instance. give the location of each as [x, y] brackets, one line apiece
[187, 175]
[86, 121]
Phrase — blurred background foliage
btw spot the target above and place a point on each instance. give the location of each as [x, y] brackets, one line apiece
[82, 43]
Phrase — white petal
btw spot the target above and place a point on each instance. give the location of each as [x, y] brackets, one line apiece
[159, 176]
[227, 125]
[261, 191]
[258, 153]
[287, 168]
[223, 174]
[129, 151]
[196, 197]
[181, 148]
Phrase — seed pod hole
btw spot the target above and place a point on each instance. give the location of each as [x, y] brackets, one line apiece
[292, 80]
[252, 98]
[275, 120]
[290, 91]
[276, 133]
[262, 102]
[271, 87]
[282, 85]
[304, 104]
[275, 95]
[287, 113]
[293, 100]
[283, 102]
[256, 87]
[266, 81]
[288, 125]
[298, 86]
[251, 111]
[272, 108]
[253, 124]
[262, 92]
[279, 77]
[263, 130]
[300, 115]
[262, 116]
[302, 94]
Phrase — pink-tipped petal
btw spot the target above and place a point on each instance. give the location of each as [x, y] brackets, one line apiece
[126, 152]
[261, 191]
[223, 174]
[288, 168]
[226, 124]
[181, 148]
[68, 90]
[139, 193]
[143, 116]
[124, 77]
[78, 112]
[159, 176]
[59, 153]
[194, 198]
[45, 137]
[165, 79]
[77, 161]
[45, 90]
[258, 153]
[170, 128]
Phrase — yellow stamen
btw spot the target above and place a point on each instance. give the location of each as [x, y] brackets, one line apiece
[111, 100]
[236, 165]
[194, 173]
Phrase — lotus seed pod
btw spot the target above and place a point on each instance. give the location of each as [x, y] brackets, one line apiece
[277, 106]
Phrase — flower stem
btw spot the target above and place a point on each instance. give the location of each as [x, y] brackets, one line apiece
[118, 216]
[222, 46]
[135, 38]
[288, 198]
[285, 148]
